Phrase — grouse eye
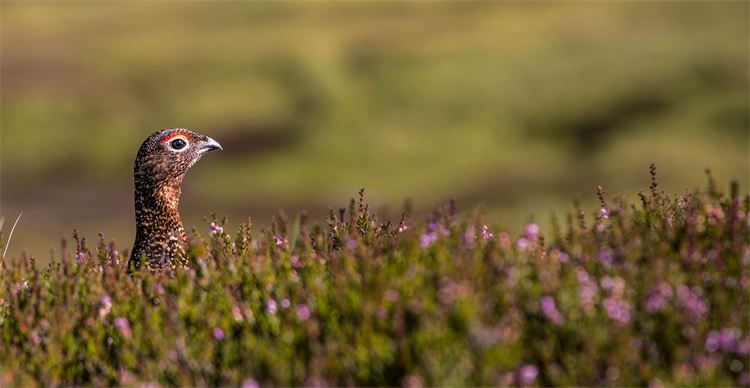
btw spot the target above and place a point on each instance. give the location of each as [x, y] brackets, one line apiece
[178, 144]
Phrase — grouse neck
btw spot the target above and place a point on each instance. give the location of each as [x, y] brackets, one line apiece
[161, 200]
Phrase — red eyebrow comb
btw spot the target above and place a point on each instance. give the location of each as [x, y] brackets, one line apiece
[172, 136]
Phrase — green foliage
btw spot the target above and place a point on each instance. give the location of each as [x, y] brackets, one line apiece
[632, 296]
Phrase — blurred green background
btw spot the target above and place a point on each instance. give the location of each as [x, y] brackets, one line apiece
[521, 107]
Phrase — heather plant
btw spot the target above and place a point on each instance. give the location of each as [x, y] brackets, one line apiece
[635, 294]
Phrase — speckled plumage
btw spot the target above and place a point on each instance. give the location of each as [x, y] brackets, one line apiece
[158, 173]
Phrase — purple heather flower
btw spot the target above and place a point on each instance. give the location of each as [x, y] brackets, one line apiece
[218, 334]
[655, 302]
[280, 242]
[159, 288]
[531, 231]
[121, 323]
[522, 244]
[303, 312]
[617, 310]
[486, 233]
[271, 307]
[605, 256]
[728, 338]
[124, 327]
[582, 276]
[743, 347]
[603, 213]
[296, 263]
[713, 341]
[237, 313]
[214, 228]
[79, 256]
[527, 374]
[249, 383]
[285, 303]
[426, 239]
[587, 293]
[550, 310]
[690, 301]
[659, 297]
[106, 306]
[351, 244]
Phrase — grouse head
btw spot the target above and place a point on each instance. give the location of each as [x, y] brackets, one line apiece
[165, 156]
[160, 166]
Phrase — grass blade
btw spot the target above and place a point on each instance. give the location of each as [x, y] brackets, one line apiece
[10, 235]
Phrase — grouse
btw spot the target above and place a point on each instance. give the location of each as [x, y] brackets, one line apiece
[160, 166]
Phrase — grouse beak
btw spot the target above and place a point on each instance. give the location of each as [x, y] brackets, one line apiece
[211, 145]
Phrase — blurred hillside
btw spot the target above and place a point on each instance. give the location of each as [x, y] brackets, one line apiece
[521, 107]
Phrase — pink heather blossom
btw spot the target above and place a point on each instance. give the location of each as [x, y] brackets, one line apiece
[237, 313]
[431, 234]
[296, 263]
[79, 256]
[271, 307]
[743, 347]
[728, 338]
[285, 303]
[587, 295]
[124, 327]
[550, 310]
[558, 255]
[486, 233]
[531, 231]
[581, 275]
[426, 239]
[527, 374]
[658, 297]
[603, 213]
[279, 241]
[606, 256]
[522, 244]
[351, 244]
[617, 310]
[303, 312]
[249, 383]
[691, 302]
[712, 342]
[214, 228]
[105, 306]
[218, 334]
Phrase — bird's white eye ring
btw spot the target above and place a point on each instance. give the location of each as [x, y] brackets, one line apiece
[178, 144]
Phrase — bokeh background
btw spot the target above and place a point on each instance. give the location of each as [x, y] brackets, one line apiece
[517, 107]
